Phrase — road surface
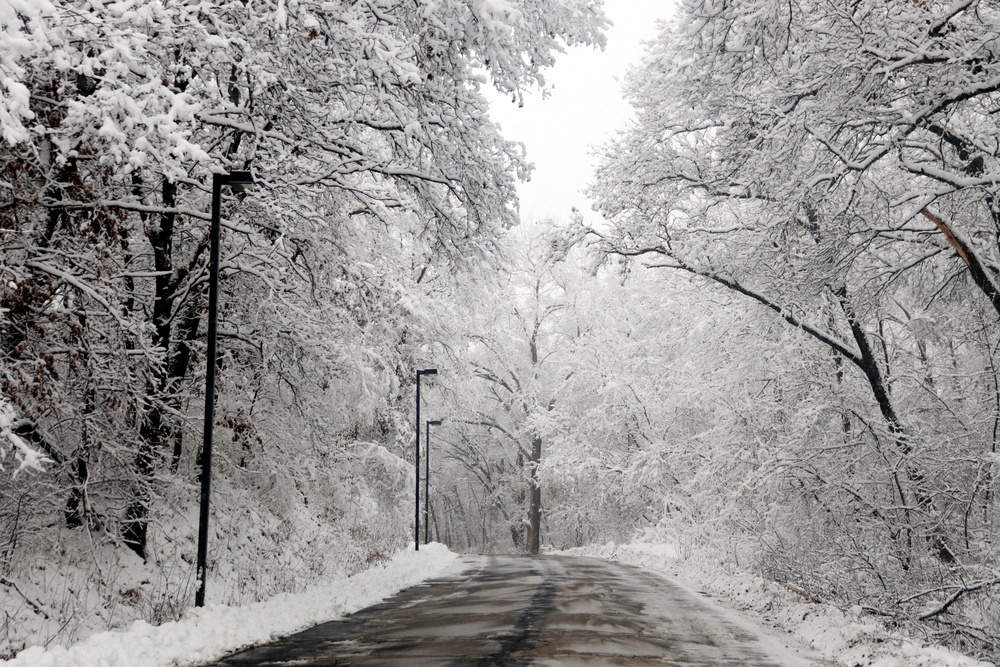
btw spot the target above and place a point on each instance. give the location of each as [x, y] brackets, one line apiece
[523, 610]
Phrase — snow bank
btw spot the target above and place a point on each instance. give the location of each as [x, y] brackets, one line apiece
[216, 630]
[844, 638]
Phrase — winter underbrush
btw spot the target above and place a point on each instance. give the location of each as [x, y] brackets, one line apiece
[269, 533]
[849, 636]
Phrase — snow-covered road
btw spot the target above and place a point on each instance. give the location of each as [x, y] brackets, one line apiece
[549, 610]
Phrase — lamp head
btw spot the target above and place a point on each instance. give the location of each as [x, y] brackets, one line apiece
[428, 371]
[240, 181]
[244, 178]
[434, 422]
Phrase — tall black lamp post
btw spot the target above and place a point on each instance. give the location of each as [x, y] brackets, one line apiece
[236, 178]
[427, 478]
[416, 515]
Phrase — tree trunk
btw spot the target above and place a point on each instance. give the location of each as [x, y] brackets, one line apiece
[77, 511]
[535, 498]
[154, 431]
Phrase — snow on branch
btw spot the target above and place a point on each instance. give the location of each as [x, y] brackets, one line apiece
[26, 457]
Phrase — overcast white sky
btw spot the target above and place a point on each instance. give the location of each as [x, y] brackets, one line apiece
[584, 109]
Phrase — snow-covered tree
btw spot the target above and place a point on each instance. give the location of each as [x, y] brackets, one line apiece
[376, 161]
[830, 165]
[512, 347]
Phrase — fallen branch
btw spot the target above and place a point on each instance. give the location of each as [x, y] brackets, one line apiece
[31, 603]
[959, 591]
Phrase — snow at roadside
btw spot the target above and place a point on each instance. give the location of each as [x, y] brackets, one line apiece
[210, 633]
[843, 639]
[217, 630]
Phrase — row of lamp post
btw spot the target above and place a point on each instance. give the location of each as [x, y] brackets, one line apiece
[237, 180]
[416, 467]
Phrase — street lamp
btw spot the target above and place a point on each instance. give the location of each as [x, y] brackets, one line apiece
[239, 179]
[427, 477]
[416, 521]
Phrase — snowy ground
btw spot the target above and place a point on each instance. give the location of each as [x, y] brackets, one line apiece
[216, 630]
[843, 639]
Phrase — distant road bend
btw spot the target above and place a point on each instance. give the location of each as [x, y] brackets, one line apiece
[524, 610]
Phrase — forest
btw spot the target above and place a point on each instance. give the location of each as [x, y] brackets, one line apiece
[779, 349]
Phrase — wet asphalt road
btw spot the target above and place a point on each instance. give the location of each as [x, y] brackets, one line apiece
[522, 610]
